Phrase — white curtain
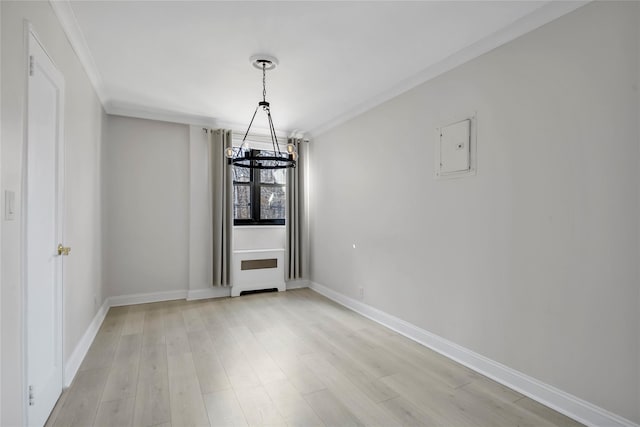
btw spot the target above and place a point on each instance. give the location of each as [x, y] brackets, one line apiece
[221, 205]
[296, 244]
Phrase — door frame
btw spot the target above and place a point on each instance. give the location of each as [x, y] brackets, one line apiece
[28, 32]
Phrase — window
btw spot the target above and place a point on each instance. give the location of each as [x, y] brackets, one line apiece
[259, 196]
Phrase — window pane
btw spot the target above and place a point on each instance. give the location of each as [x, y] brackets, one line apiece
[273, 176]
[241, 201]
[266, 153]
[272, 202]
[241, 174]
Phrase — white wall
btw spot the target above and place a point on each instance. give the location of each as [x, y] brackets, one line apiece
[534, 261]
[200, 240]
[146, 207]
[83, 127]
[638, 122]
[2, 210]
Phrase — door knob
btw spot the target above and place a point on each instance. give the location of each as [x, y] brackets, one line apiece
[63, 251]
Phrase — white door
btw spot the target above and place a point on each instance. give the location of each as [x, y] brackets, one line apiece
[43, 233]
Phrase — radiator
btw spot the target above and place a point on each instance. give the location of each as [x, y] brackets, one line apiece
[255, 269]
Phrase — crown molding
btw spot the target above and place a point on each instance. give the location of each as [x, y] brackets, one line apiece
[71, 27]
[67, 18]
[541, 16]
[143, 112]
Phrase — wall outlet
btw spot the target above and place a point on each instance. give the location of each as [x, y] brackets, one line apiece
[361, 292]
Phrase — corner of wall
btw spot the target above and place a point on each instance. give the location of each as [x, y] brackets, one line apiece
[199, 213]
[1, 205]
[638, 121]
[103, 221]
[73, 362]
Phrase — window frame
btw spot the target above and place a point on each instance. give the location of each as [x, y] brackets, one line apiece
[255, 185]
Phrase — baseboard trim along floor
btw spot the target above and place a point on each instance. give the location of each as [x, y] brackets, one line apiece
[80, 351]
[563, 402]
[77, 356]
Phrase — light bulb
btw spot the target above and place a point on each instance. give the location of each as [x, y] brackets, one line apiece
[229, 152]
[294, 155]
[291, 148]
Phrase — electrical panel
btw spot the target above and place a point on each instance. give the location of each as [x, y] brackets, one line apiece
[455, 148]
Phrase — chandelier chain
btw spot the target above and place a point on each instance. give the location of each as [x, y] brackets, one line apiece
[264, 82]
[245, 157]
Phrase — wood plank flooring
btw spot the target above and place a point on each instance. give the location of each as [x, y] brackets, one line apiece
[292, 358]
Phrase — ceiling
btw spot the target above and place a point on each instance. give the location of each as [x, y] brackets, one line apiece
[189, 60]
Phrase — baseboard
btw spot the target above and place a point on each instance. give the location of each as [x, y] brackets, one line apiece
[77, 356]
[213, 292]
[146, 298]
[563, 402]
[297, 284]
[236, 290]
[74, 361]
[225, 291]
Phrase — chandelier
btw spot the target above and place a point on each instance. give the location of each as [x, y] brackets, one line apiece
[243, 156]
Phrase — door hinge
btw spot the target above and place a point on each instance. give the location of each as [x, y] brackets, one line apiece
[31, 65]
[31, 396]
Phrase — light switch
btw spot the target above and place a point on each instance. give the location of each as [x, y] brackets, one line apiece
[9, 205]
[455, 143]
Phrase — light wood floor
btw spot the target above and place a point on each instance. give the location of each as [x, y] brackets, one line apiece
[290, 358]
